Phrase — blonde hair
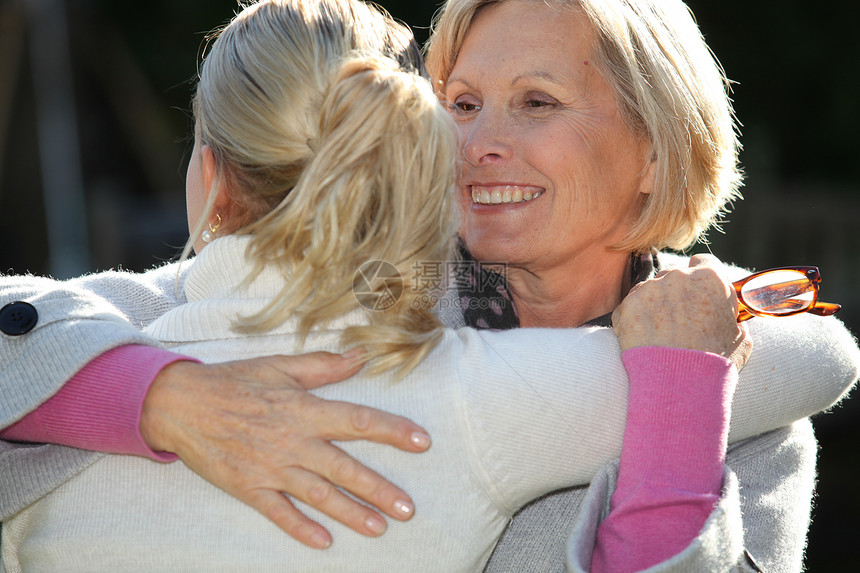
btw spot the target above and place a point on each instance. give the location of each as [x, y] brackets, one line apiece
[670, 89]
[338, 157]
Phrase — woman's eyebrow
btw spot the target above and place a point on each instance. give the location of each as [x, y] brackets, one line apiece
[547, 76]
[552, 78]
[459, 80]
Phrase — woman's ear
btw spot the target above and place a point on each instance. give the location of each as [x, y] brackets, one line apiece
[223, 204]
[208, 168]
[646, 183]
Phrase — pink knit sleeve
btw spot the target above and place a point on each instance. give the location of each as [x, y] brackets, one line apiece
[99, 408]
[671, 468]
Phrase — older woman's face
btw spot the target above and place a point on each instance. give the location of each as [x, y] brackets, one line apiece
[552, 174]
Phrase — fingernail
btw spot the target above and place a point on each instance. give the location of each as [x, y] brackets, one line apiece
[353, 353]
[421, 440]
[404, 507]
[375, 524]
[321, 540]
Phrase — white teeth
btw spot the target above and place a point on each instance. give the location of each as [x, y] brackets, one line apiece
[499, 195]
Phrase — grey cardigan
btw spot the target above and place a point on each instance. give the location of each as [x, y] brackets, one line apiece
[83, 318]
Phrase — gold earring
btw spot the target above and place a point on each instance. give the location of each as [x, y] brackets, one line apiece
[209, 233]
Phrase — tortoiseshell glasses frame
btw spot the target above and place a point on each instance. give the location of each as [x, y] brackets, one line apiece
[783, 291]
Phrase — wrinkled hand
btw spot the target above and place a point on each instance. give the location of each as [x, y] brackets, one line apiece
[694, 308]
[250, 428]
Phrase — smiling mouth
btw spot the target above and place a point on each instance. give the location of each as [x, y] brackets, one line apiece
[500, 194]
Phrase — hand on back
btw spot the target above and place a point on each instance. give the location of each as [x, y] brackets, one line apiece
[251, 428]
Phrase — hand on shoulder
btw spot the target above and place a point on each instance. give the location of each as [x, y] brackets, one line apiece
[693, 308]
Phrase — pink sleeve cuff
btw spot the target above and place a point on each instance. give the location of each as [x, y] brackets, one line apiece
[671, 468]
[677, 417]
[100, 407]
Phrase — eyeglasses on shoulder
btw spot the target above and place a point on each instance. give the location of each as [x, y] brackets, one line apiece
[783, 291]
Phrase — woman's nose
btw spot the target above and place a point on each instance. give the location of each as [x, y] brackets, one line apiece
[485, 140]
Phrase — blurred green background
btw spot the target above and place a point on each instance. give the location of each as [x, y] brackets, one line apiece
[94, 100]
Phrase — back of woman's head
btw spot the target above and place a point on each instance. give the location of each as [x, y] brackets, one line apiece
[670, 89]
[263, 80]
[337, 156]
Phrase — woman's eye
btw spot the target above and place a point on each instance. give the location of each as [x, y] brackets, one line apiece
[538, 102]
[463, 106]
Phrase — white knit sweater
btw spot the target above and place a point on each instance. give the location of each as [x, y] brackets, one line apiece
[513, 415]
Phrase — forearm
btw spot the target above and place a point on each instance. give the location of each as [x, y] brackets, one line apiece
[762, 514]
[76, 321]
[671, 466]
[99, 409]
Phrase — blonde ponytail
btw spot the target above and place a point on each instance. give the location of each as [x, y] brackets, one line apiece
[337, 154]
[377, 188]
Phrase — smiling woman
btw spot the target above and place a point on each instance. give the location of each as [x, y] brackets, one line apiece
[547, 131]
[613, 118]
[588, 136]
